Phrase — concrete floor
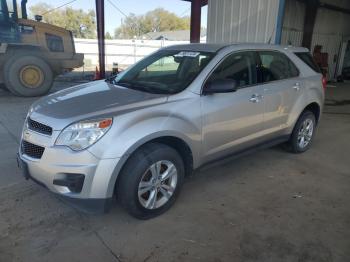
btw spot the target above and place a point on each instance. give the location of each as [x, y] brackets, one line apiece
[268, 206]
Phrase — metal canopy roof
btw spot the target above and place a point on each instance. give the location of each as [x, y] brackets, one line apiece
[204, 2]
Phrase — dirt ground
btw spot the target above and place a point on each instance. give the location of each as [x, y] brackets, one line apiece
[267, 206]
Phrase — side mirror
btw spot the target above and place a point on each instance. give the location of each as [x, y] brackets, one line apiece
[220, 86]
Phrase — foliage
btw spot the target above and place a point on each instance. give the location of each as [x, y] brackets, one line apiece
[108, 36]
[80, 22]
[157, 20]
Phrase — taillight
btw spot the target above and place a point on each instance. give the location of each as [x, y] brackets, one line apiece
[324, 82]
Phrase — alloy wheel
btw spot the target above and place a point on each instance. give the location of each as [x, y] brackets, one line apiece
[305, 133]
[157, 184]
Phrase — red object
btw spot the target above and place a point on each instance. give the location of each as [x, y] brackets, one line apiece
[195, 31]
[324, 82]
[204, 2]
[100, 22]
[105, 123]
[97, 74]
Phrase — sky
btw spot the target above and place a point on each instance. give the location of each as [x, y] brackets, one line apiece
[113, 17]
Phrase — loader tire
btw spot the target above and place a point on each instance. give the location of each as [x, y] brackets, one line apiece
[28, 75]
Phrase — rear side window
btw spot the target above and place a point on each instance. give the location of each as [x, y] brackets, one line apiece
[239, 67]
[275, 66]
[54, 43]
[307, 59]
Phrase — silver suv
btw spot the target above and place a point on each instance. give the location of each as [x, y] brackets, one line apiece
[139, 134]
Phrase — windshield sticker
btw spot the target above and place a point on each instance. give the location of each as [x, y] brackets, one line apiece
[187, 54]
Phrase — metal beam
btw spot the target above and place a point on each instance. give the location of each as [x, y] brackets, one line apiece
[309, 21]
[203, 2]
[100, 20]
[24, 9]
[196, 9]
[280, 17]
[335, 8]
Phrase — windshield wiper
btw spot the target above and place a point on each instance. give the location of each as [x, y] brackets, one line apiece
[134, 86]
[111, 79]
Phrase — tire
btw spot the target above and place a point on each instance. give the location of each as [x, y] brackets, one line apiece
[137, 169]
[295, 141]
[19, 66]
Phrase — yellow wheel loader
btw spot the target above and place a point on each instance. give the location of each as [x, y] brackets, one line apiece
[32, 53]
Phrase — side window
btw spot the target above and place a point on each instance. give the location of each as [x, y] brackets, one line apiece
[307, 59]
[275, 66]
[240, 67]
[167, 65]
[26, 29]
[54, 43]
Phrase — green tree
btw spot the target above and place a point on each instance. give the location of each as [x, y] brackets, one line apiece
[80, 22]
[108, 36]
[157, 20]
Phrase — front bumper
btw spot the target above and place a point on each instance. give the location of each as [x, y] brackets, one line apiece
[58, 165]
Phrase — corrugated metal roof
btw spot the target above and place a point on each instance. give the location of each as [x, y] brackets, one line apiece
[204, 2]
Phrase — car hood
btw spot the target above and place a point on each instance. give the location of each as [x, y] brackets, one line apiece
[88, 101]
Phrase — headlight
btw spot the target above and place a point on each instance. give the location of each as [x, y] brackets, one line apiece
[81, 135]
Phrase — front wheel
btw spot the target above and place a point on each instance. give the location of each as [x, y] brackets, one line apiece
[303, 133]
[151, 181]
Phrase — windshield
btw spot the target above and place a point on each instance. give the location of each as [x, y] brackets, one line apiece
[164, 72]
[7, 10]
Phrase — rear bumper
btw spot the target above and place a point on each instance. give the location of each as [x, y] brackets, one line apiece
[76, 61]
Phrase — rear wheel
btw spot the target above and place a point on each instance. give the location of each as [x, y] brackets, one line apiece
[27, 75]
[303, 133]
[151, 181]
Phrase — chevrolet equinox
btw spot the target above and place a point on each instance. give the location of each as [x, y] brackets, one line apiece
[137, 135]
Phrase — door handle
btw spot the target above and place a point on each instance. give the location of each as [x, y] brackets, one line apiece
[296, 87]
[255, 98]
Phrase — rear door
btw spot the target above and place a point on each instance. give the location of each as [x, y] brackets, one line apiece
[232, 121]
[279, 79]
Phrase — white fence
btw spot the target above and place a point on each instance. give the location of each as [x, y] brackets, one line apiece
[123, 52]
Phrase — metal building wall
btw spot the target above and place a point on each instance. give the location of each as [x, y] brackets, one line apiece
[293, 23]
[255, 21]
[242, 21]
[331, 27]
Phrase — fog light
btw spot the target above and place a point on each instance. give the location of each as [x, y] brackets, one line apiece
[74, 182]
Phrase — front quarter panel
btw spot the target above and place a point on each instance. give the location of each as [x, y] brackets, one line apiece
[179, 117]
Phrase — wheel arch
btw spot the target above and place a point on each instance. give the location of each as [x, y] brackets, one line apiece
[315, 108]
[175, 142]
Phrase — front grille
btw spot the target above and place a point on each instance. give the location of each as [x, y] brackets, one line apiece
[39, 127]
[32, 150]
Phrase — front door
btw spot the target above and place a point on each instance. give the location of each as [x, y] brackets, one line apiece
[232, 121]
